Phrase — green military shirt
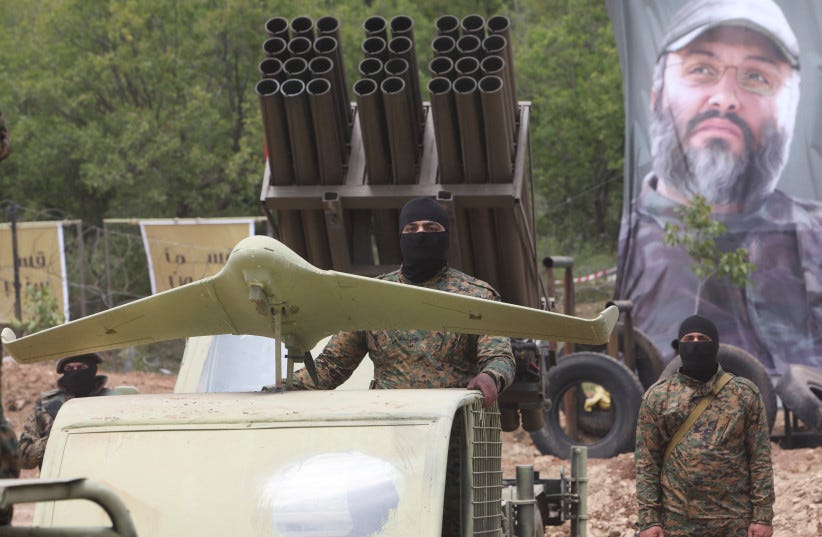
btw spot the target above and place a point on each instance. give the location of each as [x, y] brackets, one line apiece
[415, 358]
[720, 470]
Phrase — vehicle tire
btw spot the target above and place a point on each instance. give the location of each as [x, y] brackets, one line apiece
[626, 395]
[740, 362]
[649, 364]
[801, 390]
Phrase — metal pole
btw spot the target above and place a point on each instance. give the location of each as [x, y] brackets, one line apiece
[108, 265]
[81, 247]
[15, 256]
[525, 501]
[579, 479]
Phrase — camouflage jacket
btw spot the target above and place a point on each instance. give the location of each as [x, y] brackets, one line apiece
[5, 138]
[418, 359]
[720, 470]
[37, 427]
[775, 316]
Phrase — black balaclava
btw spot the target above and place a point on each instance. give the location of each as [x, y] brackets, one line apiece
[82, 382]
[698, 357]
[425, 253]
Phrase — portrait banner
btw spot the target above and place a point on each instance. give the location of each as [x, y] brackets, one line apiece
[722, 101]
[42, 263]
[186, 250]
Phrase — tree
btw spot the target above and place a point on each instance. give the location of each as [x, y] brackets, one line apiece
[698, 234]
[40, 311]
[568, 67]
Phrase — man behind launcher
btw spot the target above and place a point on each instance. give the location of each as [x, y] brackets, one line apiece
[416, 358]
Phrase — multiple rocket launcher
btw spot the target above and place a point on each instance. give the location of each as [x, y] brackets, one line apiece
[308, 118]
[469, 133]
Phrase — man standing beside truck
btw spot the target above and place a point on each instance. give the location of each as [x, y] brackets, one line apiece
[80, 379]
[415, 358]
[703, 453]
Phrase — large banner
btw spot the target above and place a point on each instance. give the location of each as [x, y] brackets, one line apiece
[183, 251]
[42, 264]
[723, 99]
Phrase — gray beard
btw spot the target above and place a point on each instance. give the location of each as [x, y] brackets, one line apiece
[721, 177]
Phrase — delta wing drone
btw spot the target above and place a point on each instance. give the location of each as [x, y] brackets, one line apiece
[266, 289]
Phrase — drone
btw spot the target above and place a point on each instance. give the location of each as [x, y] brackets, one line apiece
[266, 289]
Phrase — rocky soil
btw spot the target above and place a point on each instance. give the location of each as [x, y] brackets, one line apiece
[612, 509]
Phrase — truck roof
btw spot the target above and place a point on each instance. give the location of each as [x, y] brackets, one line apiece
[259, 407]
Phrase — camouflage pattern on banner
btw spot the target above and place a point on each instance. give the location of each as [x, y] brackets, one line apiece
[722, 100]
[42, 263]
[183, 251]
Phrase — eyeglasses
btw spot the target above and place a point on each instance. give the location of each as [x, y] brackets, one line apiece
[754, 77]
[423, 226]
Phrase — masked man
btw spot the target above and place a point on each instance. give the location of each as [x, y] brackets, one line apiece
[420, 359]
[712, 477]
[80, 379]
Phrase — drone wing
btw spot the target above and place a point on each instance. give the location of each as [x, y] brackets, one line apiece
[361, 303]
[264, 282]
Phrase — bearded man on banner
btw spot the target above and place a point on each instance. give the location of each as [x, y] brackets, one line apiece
[723, 106]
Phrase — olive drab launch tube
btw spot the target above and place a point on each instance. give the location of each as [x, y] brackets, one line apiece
[398, 116]
[329, 146]
[374, 135]
[446, 133]
[277, 27]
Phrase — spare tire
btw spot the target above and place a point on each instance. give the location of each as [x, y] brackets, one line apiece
[801, 390]
[740, 362]
[570, 377]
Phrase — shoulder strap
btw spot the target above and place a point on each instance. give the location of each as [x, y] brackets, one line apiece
[696, 412]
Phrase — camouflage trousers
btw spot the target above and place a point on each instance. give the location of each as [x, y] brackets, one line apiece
[675, 525]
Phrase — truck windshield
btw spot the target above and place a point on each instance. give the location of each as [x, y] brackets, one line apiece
[238, 364]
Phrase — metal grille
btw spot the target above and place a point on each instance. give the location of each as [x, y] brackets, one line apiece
[484, 450]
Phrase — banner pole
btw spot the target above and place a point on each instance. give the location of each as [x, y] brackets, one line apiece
[18, 305]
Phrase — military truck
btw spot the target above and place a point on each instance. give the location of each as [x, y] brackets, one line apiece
[343, 462]
[337, 176]
[358, 462]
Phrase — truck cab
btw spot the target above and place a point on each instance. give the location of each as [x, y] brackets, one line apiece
[320, 464]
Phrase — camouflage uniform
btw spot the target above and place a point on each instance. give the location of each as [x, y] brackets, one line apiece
[5, 139]
[414, 358]
[776, 316]
[9, 461]
[719, 478]
[37, 427]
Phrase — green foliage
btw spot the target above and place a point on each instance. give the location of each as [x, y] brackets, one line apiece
[146, 108]
[39, 311]
[698, 234]
[568, 67]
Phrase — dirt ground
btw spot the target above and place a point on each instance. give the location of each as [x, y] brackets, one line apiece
[611, 504]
